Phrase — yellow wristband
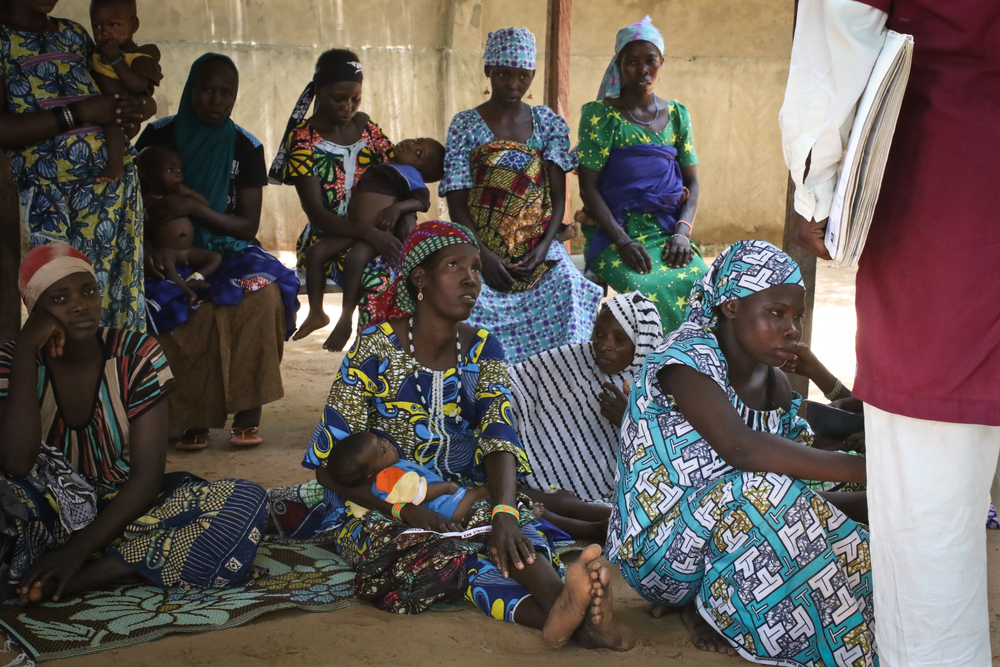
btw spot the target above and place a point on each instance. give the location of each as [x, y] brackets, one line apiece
[506, 509]
[396, 509]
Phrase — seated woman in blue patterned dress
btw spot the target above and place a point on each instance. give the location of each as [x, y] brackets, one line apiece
[83, 483]
[711, 513]
[505, 178]
[437, 389]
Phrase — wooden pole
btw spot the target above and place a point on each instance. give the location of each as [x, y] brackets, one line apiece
[557, 69]
[806, 261]
[10, 256]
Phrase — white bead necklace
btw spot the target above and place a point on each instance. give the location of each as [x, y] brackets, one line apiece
[435, 406]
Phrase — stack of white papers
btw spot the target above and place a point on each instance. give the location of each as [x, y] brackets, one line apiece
[864, 163]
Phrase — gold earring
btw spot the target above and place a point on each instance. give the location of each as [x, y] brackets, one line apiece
[420, 294]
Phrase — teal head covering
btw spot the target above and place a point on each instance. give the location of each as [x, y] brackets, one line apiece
[510, 47]
[644, 30]
[207, 152]
[742, 269]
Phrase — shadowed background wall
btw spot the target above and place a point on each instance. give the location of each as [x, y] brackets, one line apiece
[727, 60]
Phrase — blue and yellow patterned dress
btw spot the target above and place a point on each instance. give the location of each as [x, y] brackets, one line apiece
[60, 199]
[379, 389]
[781, 573]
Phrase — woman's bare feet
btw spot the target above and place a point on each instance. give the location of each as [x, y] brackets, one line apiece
[570, 608]
[312, 322]
[600, 629]
[703, 635]
[341, 333]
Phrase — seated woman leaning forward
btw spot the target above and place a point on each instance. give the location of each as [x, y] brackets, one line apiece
[70, 389]
[761, 564]
[639, 179]
[568, 406]
[437, 391]
[505, 178]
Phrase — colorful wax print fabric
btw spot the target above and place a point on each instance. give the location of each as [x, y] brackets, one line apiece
[603, 129]
[781, 573]
[60, 198]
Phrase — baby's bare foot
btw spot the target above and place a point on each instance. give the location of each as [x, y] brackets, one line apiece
[570, 609]
[312, 322]
[111, 173]
[339, 336]
[703, 635]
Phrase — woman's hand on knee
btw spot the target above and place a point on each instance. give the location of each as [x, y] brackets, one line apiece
[508, 545]
[633, 254]
[416, 516]
[677, 251]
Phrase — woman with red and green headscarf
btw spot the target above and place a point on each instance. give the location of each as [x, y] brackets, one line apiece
[437, 390]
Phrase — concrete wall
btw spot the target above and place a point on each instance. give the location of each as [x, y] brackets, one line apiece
[726, 60]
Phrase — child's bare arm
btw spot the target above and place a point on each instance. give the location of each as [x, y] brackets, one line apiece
[170, 272]
[185, 190]
[108, 85]
[387, 217]
[204, 261]
[437, 489]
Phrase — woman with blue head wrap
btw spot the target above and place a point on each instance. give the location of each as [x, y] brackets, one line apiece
[639, 180]
[505, 178]
[710, 512]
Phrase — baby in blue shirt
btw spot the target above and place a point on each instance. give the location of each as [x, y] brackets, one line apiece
[364, 458]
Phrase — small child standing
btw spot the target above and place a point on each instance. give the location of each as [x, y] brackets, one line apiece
[120, 66]
[364, 458]
[384, 200]
[161, 172]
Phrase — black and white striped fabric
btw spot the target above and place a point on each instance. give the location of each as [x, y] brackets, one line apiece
[558, 416]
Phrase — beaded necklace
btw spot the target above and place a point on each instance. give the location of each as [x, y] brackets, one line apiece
[636, 120]
[435, 406]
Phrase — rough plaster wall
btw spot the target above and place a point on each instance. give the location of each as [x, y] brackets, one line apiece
[726, 60]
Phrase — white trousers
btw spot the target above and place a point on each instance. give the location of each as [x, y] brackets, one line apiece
[928, 494]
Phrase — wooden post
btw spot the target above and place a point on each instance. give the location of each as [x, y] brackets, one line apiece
[10, 256]
[806, 261]
[557, 68]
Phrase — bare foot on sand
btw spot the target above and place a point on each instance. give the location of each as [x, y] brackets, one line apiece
[570, 609]
[312, 322]
[339, 336]
[600, 629]
[660, 610]
[703, 635]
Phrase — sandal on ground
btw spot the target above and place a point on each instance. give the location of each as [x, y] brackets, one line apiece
[193, 439]
[245, 436]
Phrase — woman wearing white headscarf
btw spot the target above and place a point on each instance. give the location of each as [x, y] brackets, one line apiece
[568, 402]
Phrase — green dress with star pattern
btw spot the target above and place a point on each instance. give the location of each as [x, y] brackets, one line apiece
[602, 129]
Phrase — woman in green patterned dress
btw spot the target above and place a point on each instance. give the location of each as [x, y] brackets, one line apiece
[639, 180]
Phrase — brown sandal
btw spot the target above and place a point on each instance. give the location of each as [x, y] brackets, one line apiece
[245, 437]
[193, 439]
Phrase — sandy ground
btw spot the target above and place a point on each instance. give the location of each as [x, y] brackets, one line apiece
[362, 635]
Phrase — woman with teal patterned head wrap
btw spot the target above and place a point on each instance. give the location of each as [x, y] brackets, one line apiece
[639, 179]
[710, 512]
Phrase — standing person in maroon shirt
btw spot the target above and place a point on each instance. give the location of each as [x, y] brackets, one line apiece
[928, 342]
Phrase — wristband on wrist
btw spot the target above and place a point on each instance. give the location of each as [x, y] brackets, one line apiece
[684, 222]
[835, 392]
[63, 120]
[396, 510]
[506, 509]
[194, 276]
[682, 236]
[74, 112]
